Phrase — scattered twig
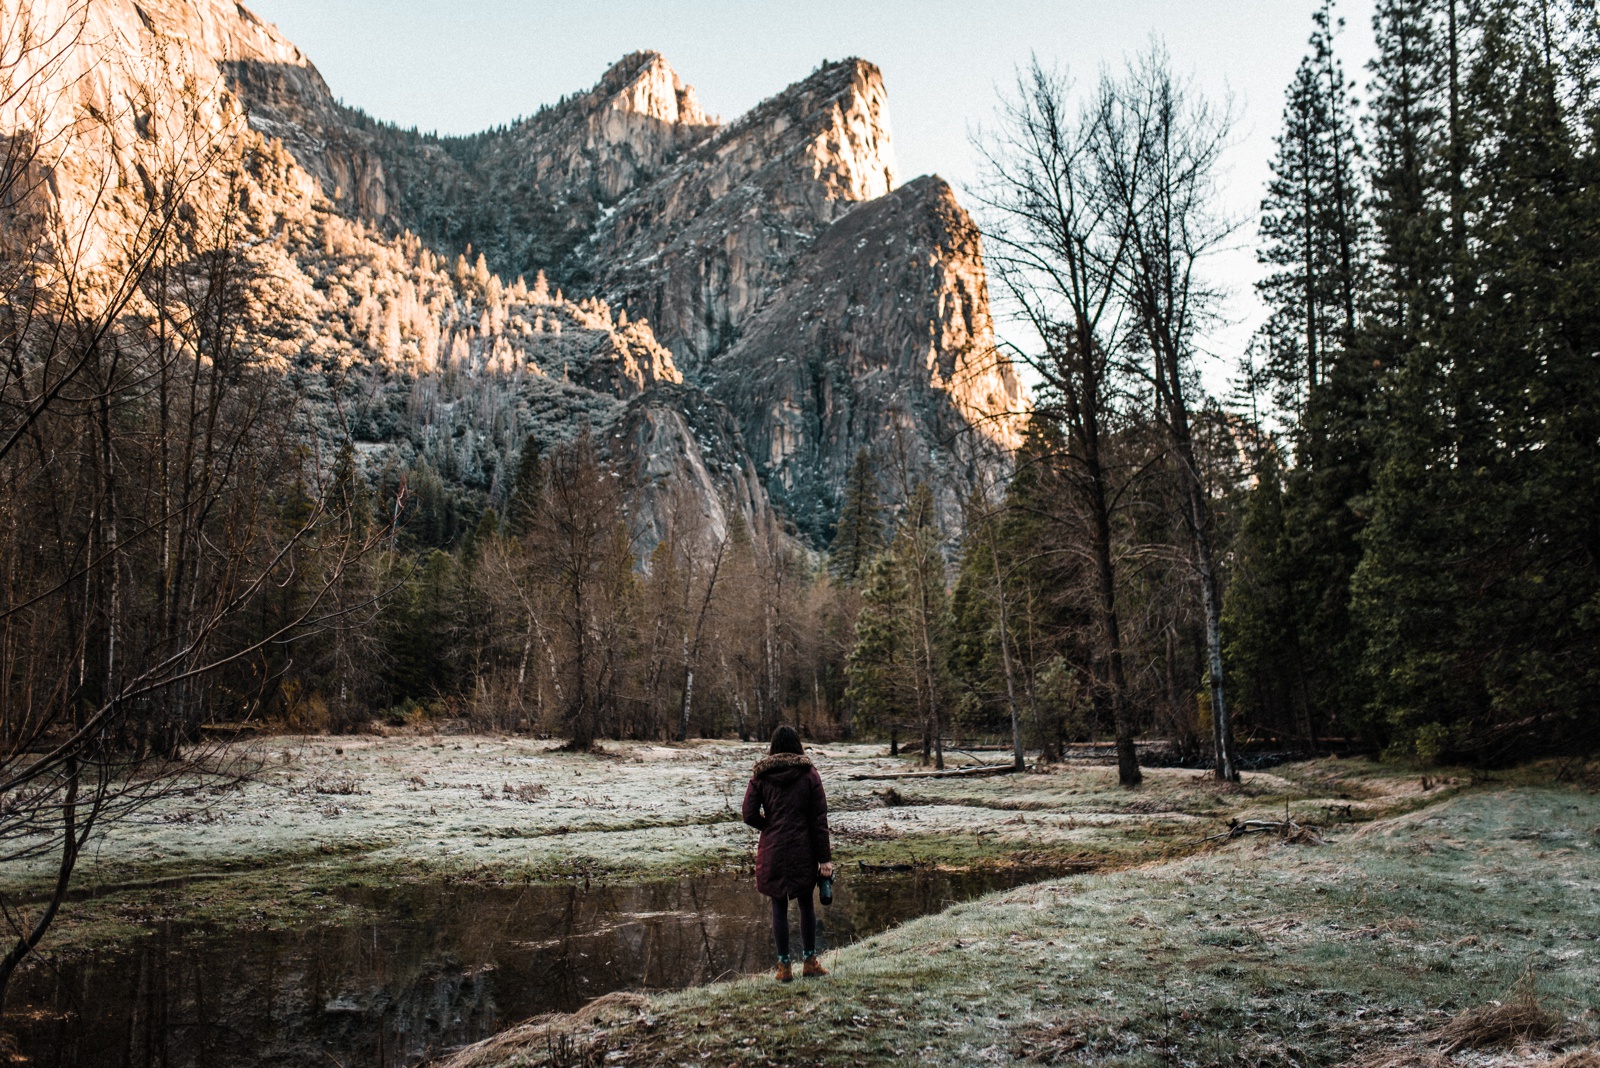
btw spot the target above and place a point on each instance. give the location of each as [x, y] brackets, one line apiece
[1286, 829]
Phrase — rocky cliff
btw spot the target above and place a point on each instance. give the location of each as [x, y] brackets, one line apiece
[418, 361]
[699, 250]
[733, 308]
[524, 195]
[879, 339]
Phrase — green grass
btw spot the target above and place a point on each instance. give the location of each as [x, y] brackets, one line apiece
[1256, 953]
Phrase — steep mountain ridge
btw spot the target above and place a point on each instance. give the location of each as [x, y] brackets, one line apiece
[774, 292]
[701, 248]
[880, 339]
[444, 371]
[524, 195]
[764, 255]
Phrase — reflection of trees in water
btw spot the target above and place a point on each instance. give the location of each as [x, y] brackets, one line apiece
[444, 966]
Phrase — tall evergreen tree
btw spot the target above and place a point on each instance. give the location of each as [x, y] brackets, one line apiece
[1409, 134]
[901, 659]
[881, 685]
[1311, 223]
[1265, 656]
[523, 503]
[1293, 637]
[858, 538]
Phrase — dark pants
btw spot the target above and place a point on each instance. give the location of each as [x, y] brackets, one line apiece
[808, 923]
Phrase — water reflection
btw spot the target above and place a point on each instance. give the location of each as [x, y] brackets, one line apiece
[443, 966]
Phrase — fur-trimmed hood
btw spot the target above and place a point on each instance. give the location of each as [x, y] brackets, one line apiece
[782, 766]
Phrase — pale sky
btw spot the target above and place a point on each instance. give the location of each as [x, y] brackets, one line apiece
[456, 66]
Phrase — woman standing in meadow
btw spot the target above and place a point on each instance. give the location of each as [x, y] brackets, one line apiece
[786, 803]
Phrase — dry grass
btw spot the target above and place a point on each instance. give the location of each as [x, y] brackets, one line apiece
[1410, 1057]
[1516, 1021]
[527, 792]
[1048, 1042]
[1519, 1018]
[1400, 1058]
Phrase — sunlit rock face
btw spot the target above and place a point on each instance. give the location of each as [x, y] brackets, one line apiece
[703, 247]
[117, 97]
[879, 339]
[608, 141]
[523, 195]
[732, 308]
[412, 358]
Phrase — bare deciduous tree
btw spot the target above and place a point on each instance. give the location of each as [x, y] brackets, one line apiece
[1058, 247]
[166, 524]
[1158, 155]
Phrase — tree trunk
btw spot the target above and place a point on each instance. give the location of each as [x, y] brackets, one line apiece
[931, 680]
[1128, 773]
[688, 701]
[1017, 759]
[1221, 727]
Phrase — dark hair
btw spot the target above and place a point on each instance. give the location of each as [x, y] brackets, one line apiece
[786, 740]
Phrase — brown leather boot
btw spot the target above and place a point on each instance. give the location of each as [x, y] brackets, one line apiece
[785, 972]
[813, 969]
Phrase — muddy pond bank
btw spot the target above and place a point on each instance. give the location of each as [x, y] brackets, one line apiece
[433, 967]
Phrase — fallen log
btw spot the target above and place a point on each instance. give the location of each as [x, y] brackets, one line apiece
[1286, 829]
[948, 773]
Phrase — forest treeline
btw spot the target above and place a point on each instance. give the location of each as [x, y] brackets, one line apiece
[1384, 536]
[1416, 563]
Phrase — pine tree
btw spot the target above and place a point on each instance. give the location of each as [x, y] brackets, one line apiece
[350, 497]
[1310, 223]
[1291, 629]
[973, 648]
[880, 686]
[900, 662]
[1401, 601]
[421, 630]
[524, 500]
[1409, 140]
[1264, 654]
[858, 537]
[984, 652]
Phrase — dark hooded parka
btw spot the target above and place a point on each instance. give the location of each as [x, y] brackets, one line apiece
[785, 802]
